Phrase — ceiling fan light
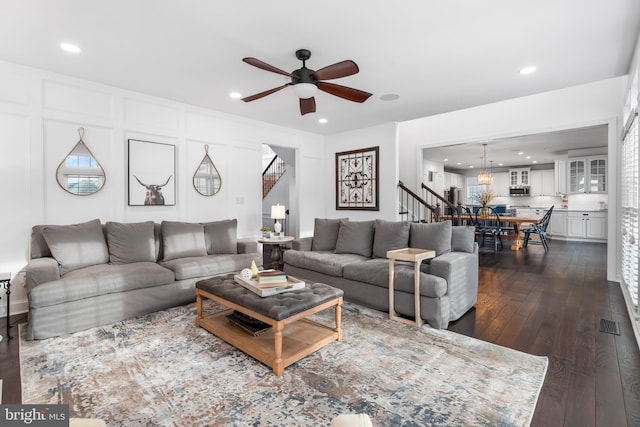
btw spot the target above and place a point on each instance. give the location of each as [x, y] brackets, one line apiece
[305, 90]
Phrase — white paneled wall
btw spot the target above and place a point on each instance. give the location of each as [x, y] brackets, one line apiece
[40, 114]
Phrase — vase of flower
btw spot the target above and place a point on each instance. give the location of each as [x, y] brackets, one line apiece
[484, 199]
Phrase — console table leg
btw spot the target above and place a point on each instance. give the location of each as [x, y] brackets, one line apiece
[278, 363]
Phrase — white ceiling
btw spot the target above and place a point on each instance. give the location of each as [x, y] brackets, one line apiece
[437, 56]
[541, 148]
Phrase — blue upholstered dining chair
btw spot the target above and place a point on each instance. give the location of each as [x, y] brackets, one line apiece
[539, 228]
[488, 227]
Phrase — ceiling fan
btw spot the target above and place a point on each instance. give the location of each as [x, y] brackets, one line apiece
[306, 82]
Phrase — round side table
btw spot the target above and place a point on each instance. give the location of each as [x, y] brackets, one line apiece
[276, 253]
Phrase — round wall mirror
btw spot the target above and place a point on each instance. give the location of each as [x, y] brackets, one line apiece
[80, 173]
[207, 179]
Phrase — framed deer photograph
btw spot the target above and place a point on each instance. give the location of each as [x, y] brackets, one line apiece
[152, 173]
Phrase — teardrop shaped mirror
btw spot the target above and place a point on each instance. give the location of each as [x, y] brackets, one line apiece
[207, 180]
[80, 173]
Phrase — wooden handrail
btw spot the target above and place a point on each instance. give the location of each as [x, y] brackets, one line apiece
[415, 196]
[454, 208]
[434, 210]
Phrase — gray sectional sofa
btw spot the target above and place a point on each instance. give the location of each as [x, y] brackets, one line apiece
[351, 255]
[85, 275]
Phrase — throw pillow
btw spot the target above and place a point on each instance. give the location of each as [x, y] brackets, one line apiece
[131, 242]
[436, 236]
[182, 239]
[78, 245]
[325, 234]
[390, 235]
[355, 237]
[463, 239]
[221, 237]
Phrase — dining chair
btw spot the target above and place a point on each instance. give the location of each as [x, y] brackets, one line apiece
[539, 228]
[489, 227]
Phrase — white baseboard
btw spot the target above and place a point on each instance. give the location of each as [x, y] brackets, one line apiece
[17, 307]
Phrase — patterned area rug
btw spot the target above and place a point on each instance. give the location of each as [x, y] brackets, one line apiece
[161, 370]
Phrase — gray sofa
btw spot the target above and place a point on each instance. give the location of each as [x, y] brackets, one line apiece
[85, 275]
[351, 255]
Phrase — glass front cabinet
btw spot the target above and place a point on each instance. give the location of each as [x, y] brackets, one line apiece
[588, 175]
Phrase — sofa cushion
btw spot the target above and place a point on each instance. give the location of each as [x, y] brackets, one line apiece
[221, 237]
[100, 280]
[323, 262]
[355, 237]
[78, 245]
[463, 238]
[376, 272]
[183, 239]
[390, 235]
[325, 234]
[435, 235]
[131, 242]
[207, 266]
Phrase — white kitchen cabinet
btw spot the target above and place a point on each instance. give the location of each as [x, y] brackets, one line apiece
[558, 224]
[542, 183]
[560, 176]
[521, 176]
[500, 184]
[587, 175]
[453, 180]
[587, 225]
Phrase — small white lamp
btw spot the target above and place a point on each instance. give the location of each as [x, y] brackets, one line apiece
[278, 212]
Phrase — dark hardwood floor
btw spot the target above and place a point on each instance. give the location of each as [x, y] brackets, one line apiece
[551, 305]
[548, 305]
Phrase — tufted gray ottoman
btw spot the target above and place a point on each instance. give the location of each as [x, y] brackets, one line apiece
[278, 347]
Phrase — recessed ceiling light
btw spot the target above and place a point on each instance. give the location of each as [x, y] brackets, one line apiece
[520, 153]
[322, 120]
[470, 166]
[528, 157]
[389, 97]
[535, 161]
[500, 164]
[446, 160]
[70, 47]
[458, 163]
[235, 95]
[528, 70]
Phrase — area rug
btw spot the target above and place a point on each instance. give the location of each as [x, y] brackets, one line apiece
[161, 370]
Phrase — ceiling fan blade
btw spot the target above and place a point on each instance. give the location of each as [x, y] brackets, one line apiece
[348, 93]
[264, 66]
[263, 94]
[307, 105]
[337, 70]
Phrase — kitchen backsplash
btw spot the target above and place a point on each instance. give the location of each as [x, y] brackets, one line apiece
[589, 202]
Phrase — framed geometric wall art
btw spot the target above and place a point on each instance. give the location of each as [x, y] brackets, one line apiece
[152, 173]
[357, 180]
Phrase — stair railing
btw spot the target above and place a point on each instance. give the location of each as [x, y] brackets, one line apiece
[414, 208]
[455, 211]
[272, 173]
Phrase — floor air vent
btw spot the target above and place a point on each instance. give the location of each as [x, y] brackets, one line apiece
[609, 326]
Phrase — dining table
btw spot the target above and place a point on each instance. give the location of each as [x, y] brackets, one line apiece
[515, 221]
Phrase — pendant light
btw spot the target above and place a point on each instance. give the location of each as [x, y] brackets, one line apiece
[485, 177]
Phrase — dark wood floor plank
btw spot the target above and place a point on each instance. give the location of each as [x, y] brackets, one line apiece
[581, 408]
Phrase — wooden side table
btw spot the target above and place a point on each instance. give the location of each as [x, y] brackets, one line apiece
[416, 256]
[276, 253]
[5, 282]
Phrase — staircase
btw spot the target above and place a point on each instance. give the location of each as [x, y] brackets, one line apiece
[425, 209]
[272, 173]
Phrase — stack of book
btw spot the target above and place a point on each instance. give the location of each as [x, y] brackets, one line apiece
[271, 277]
